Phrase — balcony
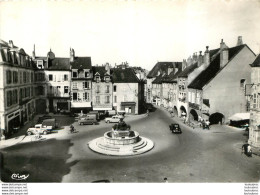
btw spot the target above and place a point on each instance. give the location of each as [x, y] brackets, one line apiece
[58, 95]
[194, 106]
[183, 99]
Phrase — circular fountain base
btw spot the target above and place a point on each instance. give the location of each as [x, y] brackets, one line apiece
[121, 146]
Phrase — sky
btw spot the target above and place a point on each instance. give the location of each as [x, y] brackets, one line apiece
[139, 32]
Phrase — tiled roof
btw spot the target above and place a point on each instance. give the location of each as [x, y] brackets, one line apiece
[99, 69]
[188, 70]
[81, 62]
[126, 75]
[212, 70]
[59, 64]
[160, 66]
[256, 63]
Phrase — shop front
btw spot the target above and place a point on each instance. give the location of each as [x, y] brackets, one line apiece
[128, 107]
[13, 122]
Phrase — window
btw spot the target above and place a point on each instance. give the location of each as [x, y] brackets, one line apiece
[242, 83]
[74, 74]
[9, 99]
[65, 77]
[98, 89]
[15, 77]
[114, 88]
[98, 79]
[198, 98]
[98, 99]
[8, 76]
[86, 74]
[107, 79]
[32, 77]
[107, 99]
[75, 96]
[66, 89]
[74, 85]
[86, 85]
[40, 64]
[86, 96]
[50, 77]
[115, 99]
[24, 77]
[107, 89]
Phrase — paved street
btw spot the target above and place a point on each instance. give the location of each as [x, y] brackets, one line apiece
[196, 155]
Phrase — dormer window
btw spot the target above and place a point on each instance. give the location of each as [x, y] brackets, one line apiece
[86, 74]
[98, 79]
[74, 74]
[40, 64]
[107, 78]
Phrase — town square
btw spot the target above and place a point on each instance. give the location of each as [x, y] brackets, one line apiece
[153, 96]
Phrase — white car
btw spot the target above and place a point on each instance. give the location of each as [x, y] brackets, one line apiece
[113, 119]
[40, 129]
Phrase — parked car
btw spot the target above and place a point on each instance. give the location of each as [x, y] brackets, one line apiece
[87, 120]
[40, 129]
[50, 122]
[175, 128]
[113, 119]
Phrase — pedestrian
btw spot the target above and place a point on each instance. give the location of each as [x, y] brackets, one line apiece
[207, 124]
[249, 151]
[165, 180]
[147, 112]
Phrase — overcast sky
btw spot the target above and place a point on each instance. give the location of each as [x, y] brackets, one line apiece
[141, 33]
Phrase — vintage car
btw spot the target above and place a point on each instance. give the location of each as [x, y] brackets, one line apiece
[39, 128]
[113, 119]
[175, 128]
[88, 121]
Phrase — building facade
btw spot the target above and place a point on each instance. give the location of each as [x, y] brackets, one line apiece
[218, 91]
[127, 91]
[102, 88]
[17, 89]
[81, 83]
[254, 130]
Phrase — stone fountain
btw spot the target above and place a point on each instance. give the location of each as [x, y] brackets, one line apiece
[121, 141]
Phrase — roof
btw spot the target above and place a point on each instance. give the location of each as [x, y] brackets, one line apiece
[126, 75]
[188, 70]
[160, 66]
[212, 70]
[256, 63]
[59, 64]
[101, 70]
[81, 62]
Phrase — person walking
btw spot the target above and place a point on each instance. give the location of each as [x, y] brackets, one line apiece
[147, 112]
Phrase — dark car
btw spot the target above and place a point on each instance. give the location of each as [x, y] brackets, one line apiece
[175, 128]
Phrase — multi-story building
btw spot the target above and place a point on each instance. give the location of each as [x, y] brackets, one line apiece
[17, 103]
[218, 91]
[102, 88]
[127, 91]
[254, 130]
[81, 83]
[53, 78]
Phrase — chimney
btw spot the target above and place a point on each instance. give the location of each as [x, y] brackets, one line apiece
[206, 56]
[72, 55]
[33, 53]
[239, 41]
[223, 54]
[11, 44]
[189, 61]
[200, 59]
[194, 57]
[107, 68]
[184, 65]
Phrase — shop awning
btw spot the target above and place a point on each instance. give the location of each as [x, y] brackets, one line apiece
[128, 103]
[240, 117]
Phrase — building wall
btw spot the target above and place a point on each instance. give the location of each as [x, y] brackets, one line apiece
[254, 130]
[77, 86]
[224, 92]
[100, 90]
[126, 92]
[17, 92]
